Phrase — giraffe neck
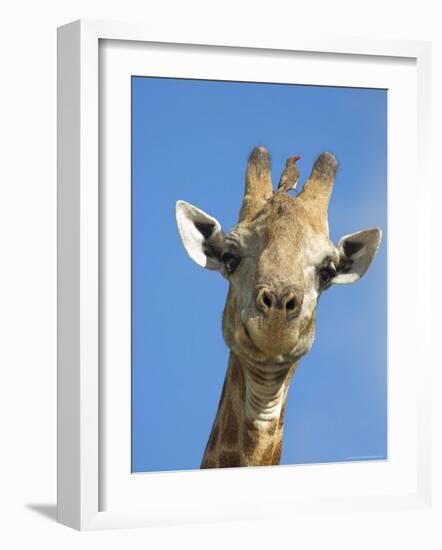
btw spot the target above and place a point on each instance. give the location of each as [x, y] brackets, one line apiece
[248, 426]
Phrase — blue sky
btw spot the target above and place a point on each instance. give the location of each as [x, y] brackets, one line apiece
[190, 141]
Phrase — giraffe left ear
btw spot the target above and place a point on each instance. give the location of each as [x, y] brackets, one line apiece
[357, 252]
[201, 234]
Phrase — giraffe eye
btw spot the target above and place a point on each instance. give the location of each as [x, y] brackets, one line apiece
[326, 274]
[230, 261]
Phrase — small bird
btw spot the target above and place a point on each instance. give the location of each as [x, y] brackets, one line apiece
[290, 176]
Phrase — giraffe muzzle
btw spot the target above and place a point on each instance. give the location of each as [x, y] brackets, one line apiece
[277, 303]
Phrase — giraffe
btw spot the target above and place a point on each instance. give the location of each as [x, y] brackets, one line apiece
[278, 260]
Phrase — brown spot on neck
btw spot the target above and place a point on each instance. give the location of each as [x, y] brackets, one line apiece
[229, 459]
[268, 454]
[214, 438]
[230, 433]
[237, 440]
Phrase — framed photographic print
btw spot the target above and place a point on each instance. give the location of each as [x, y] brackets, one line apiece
[234, 276]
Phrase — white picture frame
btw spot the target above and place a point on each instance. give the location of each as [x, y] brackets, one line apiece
[83, 446]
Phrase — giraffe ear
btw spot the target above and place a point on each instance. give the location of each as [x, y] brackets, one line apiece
[357, 252]
[201, 234]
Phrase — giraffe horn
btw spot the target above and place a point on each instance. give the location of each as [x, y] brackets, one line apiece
[258, 185]
[318, 188]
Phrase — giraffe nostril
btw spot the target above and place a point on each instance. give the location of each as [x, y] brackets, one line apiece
[290, 305]
[286, 300]
[265, 300]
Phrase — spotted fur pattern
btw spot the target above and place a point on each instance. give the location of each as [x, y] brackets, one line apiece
[249, 423]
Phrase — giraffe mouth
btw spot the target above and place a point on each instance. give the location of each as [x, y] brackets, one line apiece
[249, 338]
[247, 332]
[257, 356]
[265, 343]
[260, 355]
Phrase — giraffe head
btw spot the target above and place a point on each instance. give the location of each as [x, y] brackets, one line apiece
[278, 259]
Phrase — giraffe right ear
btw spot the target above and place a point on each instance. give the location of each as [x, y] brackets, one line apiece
[201, 234]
